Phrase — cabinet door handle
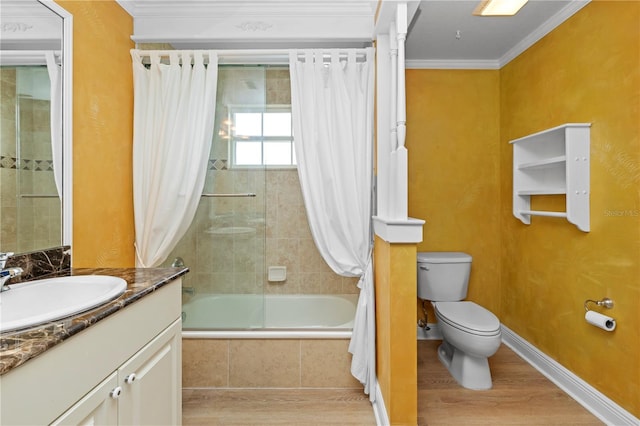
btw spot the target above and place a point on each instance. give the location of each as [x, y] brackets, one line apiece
[115, 393]
[130, 378]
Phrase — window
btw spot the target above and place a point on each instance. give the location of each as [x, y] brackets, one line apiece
[261, 137]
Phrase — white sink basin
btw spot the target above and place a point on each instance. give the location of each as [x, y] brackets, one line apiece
[40, 301]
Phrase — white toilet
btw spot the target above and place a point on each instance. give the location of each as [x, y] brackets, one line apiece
[471, 333]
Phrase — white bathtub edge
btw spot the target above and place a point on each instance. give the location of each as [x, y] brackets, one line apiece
[267, 334]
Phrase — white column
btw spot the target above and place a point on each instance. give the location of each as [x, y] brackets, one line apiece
[384, 145]
[393, 83]
[391, 222]
[399, 156]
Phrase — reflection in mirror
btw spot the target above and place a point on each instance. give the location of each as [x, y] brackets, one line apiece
[31, 126]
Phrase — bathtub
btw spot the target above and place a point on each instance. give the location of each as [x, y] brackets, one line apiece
[272, 316]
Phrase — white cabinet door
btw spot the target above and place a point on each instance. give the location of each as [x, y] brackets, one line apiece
[151, 382]
[98, 407]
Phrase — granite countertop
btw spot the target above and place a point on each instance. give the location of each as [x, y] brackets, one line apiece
[19, 346]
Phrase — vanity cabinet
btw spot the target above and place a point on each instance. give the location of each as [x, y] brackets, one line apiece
[142, 392]
[125, 369]
[553, 162]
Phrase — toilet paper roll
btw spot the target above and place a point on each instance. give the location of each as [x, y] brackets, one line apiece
[601, 321]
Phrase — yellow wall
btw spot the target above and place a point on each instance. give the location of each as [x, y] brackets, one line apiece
[453, 136]
[536, 277]
[396, 349]
[587, 70]
[103, 232]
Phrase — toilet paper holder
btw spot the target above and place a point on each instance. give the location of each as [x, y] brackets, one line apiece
[606, 302]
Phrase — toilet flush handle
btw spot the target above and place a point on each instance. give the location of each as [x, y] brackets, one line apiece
[424, 267]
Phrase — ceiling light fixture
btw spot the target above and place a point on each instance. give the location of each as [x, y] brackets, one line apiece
[499, 7]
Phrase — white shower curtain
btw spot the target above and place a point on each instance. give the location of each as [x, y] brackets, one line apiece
[55, 107]
[174, 109]
[332, 110]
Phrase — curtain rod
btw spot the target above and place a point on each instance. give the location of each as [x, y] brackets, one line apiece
[252, 56]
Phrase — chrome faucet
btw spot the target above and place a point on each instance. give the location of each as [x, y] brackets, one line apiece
[8, 273]
[4, 257]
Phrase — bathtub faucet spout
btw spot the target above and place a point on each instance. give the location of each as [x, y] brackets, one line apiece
[191, 291]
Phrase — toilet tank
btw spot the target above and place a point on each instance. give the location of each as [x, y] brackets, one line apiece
[443, 276]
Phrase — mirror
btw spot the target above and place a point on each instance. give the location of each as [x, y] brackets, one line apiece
[35, 131]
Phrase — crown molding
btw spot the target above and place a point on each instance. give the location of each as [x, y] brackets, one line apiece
[452, 64]
[233, 30]
[24, 9]
[140, 9]
[544, 29]
[28, 26]
[260, 23]
[258, 41]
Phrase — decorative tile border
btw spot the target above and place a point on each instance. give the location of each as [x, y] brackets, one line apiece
[7, 162]
[219, 164]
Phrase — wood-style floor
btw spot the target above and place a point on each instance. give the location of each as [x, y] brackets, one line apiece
[520, 396]
[276, 407]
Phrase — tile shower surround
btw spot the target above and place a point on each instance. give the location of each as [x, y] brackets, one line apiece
[27, 222]
[222, 264]
[262, 363]
[283, 363]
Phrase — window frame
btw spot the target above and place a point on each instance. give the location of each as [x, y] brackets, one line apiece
[233, 139]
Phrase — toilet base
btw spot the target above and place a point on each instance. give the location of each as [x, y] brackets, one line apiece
[470, 372]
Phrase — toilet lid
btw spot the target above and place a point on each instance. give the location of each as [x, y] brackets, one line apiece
[469, 317]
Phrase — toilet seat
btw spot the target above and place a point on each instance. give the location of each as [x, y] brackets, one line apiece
[468, 317]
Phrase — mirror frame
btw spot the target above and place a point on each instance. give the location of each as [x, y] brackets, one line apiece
[67, 118]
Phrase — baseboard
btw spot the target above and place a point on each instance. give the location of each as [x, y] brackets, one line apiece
[379, 409]
[432, 334]
[589, 397]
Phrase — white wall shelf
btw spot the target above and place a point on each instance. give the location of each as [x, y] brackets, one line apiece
[553, 162]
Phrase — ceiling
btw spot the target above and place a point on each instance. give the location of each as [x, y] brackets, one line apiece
[442, 33]
[446, 32]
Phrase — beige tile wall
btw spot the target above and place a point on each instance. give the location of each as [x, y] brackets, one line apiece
[27, 223]
[280, 236]
[266, 364]
[289, 242]
[8, 206]
[39, 219]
